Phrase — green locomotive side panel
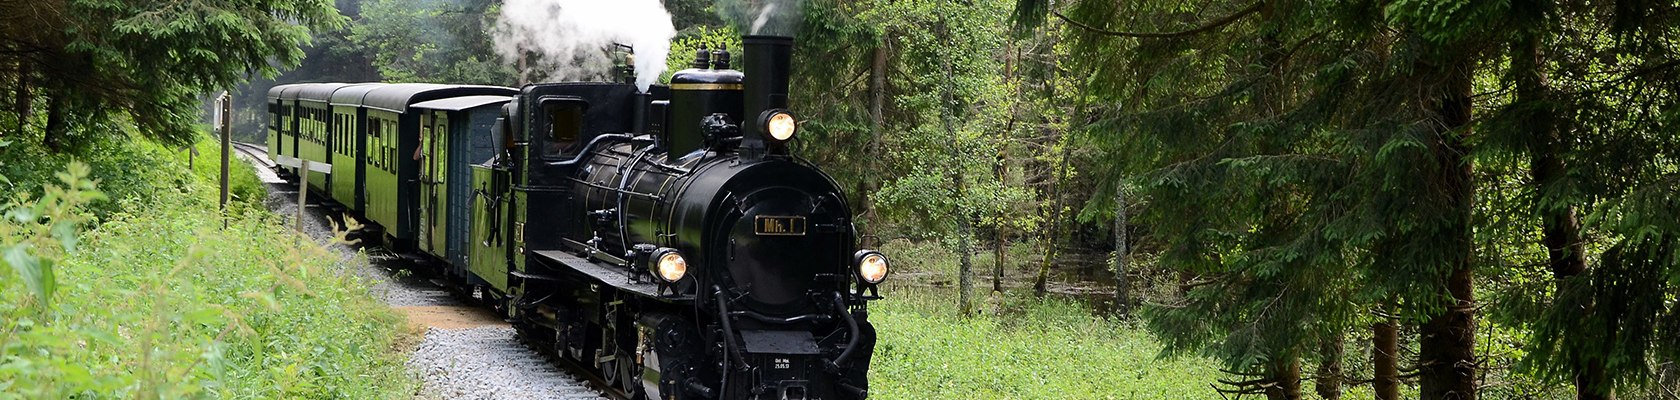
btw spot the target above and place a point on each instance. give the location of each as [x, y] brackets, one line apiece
[518, 230]
[381, 169]
[488, 239]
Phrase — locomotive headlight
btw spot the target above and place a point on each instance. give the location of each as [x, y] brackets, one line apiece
[872, 266]
[779, 124]
[670, 265]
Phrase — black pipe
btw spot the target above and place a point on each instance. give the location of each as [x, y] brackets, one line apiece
[639, 112]
[851, 324]
[767, 63]
[589, 149]
[728, 330]
[782, 321]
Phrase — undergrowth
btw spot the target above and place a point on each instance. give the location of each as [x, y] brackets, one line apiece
[1020, 348]
[154, 299]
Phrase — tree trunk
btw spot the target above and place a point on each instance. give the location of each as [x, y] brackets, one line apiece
[1329, 380]
[22, 100]
[1041, 283]
[1000, 168]
[1385, 360]
[1447, 345]
[999, 250]
[1285, 375]
[965, 272]
[1122, 254]
[56, 125]
[877, 122]
[1560, 224]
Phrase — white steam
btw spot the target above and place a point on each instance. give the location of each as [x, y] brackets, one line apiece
[571, 36]
[761, 17]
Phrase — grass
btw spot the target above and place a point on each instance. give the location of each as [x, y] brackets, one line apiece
[1020, 349]
[155, 299]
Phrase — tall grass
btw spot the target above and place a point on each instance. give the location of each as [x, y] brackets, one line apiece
[1020, 348]
[158, 300]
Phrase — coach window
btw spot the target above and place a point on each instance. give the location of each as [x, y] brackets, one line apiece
[565, 124]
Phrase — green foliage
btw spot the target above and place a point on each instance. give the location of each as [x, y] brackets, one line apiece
[159, 301]
[440, 41]
[687, 42]
[127, 172]
[954, 118]
[1305, 164]
[106, 62]
[39, 231]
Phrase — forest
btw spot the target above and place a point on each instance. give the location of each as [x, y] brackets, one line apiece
[1436, 199]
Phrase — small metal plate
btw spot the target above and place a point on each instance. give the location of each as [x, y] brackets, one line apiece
[769, 225]
[780, 342]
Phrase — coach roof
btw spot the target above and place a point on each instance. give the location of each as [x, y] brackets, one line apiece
[462, 103]
[274, 92]
[321, 92]
[397, 97]
[352, 95]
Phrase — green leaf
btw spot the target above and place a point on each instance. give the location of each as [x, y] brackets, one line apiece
[36, 272]
[66, 234]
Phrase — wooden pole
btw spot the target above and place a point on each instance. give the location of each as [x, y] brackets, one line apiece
[226, 105]
[303, 191]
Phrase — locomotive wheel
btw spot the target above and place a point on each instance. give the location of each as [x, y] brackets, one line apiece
[630, 376]
[610, 371]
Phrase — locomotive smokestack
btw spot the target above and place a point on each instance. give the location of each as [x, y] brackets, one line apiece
[767, 64]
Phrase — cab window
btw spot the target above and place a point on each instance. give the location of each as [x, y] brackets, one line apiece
[565, 126]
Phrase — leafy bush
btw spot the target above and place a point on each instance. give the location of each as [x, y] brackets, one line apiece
[159, 301]
[127, 171]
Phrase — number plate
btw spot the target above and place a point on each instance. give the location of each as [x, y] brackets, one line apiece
[779, 226]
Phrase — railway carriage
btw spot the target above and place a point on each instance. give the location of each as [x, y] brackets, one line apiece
[454, 133]
[668, 240]
[315, 127]
[285, 143]
[350, 146]
[391, 166]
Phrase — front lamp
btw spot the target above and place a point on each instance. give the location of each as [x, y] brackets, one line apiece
[780, 125]
[872, 266]
[669, 265]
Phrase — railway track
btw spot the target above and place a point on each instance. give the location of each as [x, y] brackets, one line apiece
[257, 154]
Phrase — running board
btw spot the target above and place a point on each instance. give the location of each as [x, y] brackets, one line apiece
[602, 274]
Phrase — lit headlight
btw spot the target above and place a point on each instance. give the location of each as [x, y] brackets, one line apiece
[872, 266]
[669, 265]
[780, 125]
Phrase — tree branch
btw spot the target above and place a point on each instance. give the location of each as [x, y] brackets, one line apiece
[1162, 35]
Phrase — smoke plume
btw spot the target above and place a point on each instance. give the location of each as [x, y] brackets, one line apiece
[761, 17]
[572, 36]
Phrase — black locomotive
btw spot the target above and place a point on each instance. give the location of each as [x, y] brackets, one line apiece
[666, 239]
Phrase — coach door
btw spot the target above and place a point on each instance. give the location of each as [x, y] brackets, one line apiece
[427, 189]
[438, 163]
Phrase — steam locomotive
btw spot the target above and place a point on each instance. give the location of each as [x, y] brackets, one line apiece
[666, 240]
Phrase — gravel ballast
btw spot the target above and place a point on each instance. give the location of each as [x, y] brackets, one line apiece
[488, 363]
